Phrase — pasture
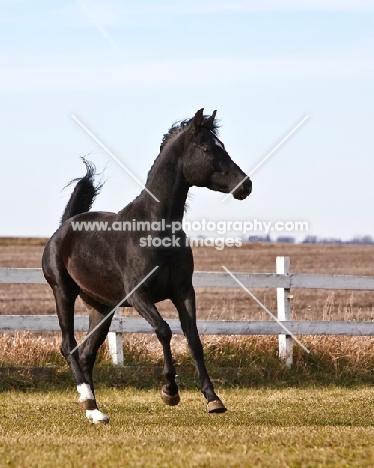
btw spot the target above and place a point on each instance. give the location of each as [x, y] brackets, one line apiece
[319, 413]
[284, 428]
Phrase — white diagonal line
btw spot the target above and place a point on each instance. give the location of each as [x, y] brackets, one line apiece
[266, 309]
[96, 23]
[114, 157]
[115, 308]
[266, 157]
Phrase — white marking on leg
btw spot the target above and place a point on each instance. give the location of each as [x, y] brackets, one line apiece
[85, 392]
[95, 416]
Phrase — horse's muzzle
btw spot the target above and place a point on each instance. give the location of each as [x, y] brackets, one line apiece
[244, 189]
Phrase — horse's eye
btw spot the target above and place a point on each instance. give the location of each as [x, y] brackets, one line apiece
[206, 150]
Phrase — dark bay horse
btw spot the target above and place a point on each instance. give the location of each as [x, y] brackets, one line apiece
[104, 267]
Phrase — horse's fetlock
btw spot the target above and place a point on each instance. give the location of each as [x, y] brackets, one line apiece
[170, 389]
[88, 404]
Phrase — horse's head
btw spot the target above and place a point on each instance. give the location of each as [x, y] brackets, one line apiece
[207, 163]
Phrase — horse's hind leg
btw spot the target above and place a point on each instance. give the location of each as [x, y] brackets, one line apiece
[185, 304]
[97, 332]
[66, 291]
[147, 309]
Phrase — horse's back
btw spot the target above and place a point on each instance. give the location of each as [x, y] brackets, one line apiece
[107, 263]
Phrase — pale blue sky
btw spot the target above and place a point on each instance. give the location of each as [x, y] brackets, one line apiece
[129, 69]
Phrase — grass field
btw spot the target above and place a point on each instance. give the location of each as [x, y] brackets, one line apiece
[314, 427]
[317, 414]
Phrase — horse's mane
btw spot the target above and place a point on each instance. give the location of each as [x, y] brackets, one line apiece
[181, 125]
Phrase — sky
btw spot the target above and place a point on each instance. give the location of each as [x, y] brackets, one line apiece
[129, 69]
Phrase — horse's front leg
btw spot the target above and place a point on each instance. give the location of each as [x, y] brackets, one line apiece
[145, 307]
[186, 306]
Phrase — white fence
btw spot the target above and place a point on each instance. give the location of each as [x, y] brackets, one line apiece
[283, 280]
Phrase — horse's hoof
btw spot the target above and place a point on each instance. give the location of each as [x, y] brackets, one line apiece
[170, 400]
[216, 406]
[97, 417]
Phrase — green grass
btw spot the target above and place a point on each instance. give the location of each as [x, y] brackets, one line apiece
[287, 427]
[318, 413]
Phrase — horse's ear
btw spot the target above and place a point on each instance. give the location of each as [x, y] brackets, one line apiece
[210, 121]
[199, 118]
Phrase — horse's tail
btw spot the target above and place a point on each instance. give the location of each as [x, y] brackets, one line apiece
[84, 193]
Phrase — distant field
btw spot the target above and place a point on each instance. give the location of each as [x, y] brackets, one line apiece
[224, 304]
[22, 241]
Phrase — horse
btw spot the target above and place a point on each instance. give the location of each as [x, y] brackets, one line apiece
[112, 267]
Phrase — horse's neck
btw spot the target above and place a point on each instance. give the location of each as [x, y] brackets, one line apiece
[167, 183]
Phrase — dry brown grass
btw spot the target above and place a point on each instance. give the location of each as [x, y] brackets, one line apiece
[232, 360]
[26, 349]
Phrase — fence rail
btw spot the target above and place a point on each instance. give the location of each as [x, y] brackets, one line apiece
[206, 327]
[282, 280]
[210, 279]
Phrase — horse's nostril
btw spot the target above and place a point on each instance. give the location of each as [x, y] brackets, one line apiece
[243, 190]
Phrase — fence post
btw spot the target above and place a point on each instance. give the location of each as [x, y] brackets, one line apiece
[115, 343]
[284, 312]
